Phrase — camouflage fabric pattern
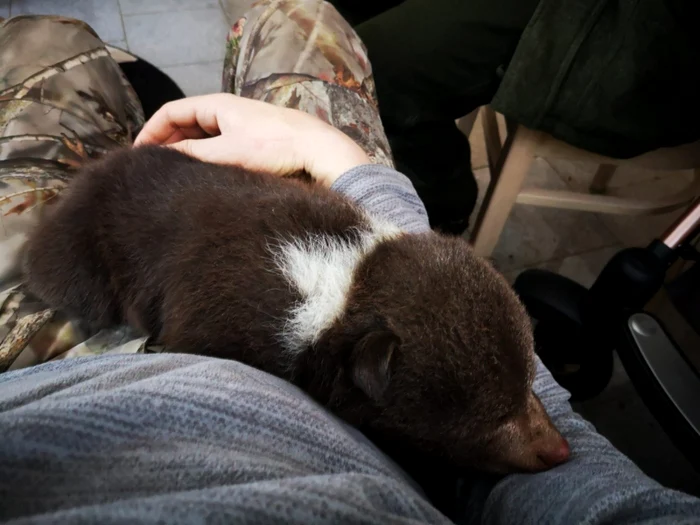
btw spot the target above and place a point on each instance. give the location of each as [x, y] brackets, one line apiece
[64, 100]
[302, 54]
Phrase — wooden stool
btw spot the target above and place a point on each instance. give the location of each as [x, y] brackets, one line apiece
[510, 162]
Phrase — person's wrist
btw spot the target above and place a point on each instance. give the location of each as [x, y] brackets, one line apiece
[333, 154]
[342, 166]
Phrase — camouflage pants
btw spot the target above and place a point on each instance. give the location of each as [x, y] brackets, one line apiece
[64, 100]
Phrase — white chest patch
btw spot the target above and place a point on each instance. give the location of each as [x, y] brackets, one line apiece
[322, 268]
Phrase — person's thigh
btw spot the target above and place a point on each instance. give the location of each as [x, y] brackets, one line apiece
[63, 101]
[440, 59]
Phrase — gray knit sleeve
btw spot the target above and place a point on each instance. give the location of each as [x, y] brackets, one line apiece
[386, 193]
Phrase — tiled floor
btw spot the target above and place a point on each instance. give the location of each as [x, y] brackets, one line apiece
[185, 38]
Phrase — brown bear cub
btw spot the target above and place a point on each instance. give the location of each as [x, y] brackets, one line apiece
[410, 336]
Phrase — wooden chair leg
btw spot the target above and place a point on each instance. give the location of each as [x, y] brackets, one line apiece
[601, 179]
[506, 181]
[492, 137]
[466, 123]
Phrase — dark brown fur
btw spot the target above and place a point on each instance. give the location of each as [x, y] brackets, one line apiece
[433, 349]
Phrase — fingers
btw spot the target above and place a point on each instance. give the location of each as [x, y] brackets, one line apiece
[185, 134]
[207, 150]
[223, 150]
[226, 129]
[193, 117]
[219, 150]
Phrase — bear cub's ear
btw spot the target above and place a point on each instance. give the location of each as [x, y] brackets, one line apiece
[372, 360]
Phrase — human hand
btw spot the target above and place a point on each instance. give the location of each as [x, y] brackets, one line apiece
[226, 129]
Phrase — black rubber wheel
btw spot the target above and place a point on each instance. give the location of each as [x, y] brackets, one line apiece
[569, 348]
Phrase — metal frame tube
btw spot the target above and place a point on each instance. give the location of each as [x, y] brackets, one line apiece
[686, 227]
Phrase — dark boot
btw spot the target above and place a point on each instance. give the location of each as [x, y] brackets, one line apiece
[153, 87]
[437, 159]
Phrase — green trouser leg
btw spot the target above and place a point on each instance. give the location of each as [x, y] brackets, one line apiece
[433, 62]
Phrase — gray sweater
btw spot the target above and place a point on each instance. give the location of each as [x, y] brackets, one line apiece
[188, 439]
